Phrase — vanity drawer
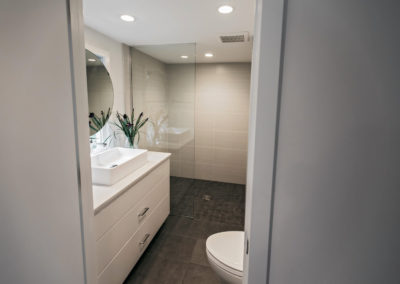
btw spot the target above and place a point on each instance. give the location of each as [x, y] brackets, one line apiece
[115, 238]
[110, 215]
[118, 269]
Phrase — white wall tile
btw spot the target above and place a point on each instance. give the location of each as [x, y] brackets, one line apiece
[204, 138]
[187, 169]
[212, 100]
[222, 109]
[205, 154]
[229, 174]
[228, 139]
[231, 157]
[203, 171]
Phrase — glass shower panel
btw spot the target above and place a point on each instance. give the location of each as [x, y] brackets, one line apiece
[163, 87]
[149, 95]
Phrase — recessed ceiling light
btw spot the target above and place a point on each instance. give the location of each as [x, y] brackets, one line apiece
[127, 18]
[184, 56]
[91, 60]
[208, 54]
[225, 9]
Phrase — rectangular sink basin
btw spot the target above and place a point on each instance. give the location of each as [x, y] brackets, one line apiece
[110, 166]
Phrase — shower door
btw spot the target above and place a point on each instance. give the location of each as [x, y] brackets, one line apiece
[163, 87]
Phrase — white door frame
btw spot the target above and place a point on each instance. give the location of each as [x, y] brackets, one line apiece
[81, 107]
[263, 130]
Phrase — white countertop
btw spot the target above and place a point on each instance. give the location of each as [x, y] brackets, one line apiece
[104, 195]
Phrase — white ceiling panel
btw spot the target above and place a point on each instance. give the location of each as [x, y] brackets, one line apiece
[160, 22]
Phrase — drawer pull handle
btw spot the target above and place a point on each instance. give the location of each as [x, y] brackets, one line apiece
[143, 213]
[146, 237]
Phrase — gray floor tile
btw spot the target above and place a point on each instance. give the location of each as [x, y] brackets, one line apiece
[188, 227]
[176, 247]
[198, 274]
[199, 255]
[159, 270]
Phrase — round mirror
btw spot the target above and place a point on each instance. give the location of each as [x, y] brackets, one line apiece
[100, 92]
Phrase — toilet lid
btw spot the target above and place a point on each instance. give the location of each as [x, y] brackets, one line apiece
[227, 247]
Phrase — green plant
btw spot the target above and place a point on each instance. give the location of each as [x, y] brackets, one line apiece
[130, 127]
[97, 122]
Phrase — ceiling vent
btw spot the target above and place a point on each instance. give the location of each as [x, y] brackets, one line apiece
[235, 37]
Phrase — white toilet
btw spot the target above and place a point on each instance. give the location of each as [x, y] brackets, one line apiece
[225, 255]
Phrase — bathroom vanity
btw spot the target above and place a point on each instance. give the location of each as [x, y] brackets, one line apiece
[128, 214]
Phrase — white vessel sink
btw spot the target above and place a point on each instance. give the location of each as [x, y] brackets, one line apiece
[110, 166]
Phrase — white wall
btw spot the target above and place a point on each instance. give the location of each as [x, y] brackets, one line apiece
[221, 127]
[336, 203]
[117, 63]
[40, 236]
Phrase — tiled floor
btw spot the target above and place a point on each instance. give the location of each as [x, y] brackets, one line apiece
[177, 253]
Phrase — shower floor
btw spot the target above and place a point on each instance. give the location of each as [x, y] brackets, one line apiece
[177, 253]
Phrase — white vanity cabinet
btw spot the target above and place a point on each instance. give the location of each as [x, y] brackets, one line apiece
[128, 216]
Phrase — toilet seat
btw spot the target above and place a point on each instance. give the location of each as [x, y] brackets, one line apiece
[225, 249]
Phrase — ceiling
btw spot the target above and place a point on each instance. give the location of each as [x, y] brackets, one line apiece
[159, 22]
[171, 53]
